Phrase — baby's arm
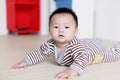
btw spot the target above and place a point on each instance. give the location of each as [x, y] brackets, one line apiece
[80, 61]
[39, 54]
[21, 64]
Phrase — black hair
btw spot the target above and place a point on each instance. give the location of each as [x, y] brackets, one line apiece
[64, 10]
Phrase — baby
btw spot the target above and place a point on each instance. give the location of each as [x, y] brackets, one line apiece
[67, 49]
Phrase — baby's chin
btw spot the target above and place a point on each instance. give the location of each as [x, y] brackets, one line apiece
[62, 41]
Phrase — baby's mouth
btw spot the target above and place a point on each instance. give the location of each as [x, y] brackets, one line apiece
[61, 35]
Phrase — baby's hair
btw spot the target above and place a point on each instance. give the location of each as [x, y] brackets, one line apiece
[64, 10]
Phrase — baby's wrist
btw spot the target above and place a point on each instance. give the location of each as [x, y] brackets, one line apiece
[73, 72]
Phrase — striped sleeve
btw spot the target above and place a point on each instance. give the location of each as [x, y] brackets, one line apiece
[39, 54]
[80, 58]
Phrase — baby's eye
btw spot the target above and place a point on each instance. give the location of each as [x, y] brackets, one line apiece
[67, 27]
[56, 27]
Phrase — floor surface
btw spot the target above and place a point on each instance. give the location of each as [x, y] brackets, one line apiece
[13, 48]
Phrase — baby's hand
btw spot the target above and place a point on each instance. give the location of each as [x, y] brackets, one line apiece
[66, 75]
[21, 64]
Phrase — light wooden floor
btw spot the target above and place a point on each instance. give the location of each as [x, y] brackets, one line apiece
[14, 48]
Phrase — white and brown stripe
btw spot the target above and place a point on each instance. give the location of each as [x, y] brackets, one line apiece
[77, 53]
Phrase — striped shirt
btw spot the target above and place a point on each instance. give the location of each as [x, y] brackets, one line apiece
[77, 54]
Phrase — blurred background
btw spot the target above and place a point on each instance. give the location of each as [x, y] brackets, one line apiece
[97, 18]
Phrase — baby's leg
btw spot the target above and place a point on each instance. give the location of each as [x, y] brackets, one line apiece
[116, 49]
[105, 52]
[98, 49]
[113, 54]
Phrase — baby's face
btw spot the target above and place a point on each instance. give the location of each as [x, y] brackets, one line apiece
[63, 27]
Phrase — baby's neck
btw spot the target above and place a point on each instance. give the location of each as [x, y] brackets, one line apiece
[61, 46]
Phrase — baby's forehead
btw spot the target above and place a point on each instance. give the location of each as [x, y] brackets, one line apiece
[63, 17]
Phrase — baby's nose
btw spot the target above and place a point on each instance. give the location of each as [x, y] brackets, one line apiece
[60, 29]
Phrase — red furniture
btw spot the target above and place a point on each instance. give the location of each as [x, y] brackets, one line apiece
[23, 16]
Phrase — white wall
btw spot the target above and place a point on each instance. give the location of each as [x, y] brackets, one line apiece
[3, 29]
[108, 19]
[44, 16]
[85, 12]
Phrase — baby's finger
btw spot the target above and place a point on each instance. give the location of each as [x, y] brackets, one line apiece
[64, 76]
[20, 66]
[14, 66]
[61, 76]
[68, 78]
[58, 76]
